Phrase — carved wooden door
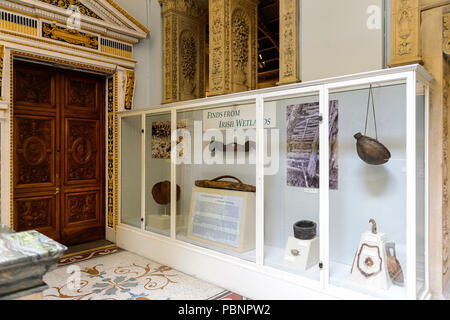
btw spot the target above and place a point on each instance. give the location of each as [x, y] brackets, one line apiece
[58, 153]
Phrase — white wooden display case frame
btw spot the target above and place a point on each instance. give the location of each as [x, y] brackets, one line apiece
[254, 279]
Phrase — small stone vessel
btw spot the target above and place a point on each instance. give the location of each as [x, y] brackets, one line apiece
[371, 150]
[305, 230]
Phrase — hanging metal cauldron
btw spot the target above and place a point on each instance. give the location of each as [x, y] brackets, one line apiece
[371, 150]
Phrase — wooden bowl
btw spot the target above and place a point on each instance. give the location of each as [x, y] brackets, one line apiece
[161, 192]
[371, 150]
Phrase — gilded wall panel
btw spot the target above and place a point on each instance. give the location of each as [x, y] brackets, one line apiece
[183, 49]
[232, 46]
[289, 29]
[446, 34]
[405, 32]
[129, 89]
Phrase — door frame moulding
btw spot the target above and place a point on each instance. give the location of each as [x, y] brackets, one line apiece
[101, 44]
[61, 63]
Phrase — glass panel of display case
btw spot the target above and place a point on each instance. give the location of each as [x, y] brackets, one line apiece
[216, 176]
[367, 210]
[157, 173]
[420, 187]
[291, 184]
[130, 174]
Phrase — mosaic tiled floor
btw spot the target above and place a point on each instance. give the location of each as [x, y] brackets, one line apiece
[125, 276]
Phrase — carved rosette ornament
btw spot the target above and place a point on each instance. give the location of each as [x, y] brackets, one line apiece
[232, 46]
[183, 49]
[289, 71]
[405, 32]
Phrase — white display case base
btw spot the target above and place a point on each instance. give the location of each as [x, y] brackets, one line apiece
[162, 221]
[301, 254]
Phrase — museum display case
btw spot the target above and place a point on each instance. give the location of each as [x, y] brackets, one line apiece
[319, 187]
[221, 219]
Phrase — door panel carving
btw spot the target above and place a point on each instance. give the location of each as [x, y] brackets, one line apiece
[35, 213]
[59, 153]
[82, 207]
[82, 151]
[81, 95]
[34, 88]
[34, 154]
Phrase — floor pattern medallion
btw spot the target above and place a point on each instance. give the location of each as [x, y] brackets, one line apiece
[126, 276]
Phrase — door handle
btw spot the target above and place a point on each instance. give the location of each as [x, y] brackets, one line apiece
[57, 191]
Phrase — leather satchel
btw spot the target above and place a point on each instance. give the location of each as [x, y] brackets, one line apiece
[216, 183]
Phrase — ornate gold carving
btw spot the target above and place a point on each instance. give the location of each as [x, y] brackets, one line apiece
[2, 54]
[188, 65]
[183, 48]
[445, 209]
[19, 23]
[289, 41]
[129, 91]
[116, 48]
[446, 34]
[67, 3]
[116, 151]
[72, 36]
[66, 46]
[232, 46]
[405, 32]
[11, 139]
[110, 176]
[240, 38]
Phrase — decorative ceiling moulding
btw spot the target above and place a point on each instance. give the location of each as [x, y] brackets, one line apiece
[233, 31]
[65, 4]
[405, 33]
[114, 19]
[38, 24]
[289, 29]
[183, 49]
[446, 35]
[72, 36]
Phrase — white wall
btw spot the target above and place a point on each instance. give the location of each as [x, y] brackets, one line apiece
[335, 39]
[148, 52]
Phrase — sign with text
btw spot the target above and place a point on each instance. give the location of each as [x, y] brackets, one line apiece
[238, 117]
[217, 218]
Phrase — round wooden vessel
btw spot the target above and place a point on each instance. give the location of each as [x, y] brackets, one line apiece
[371, 150]
[161, 192]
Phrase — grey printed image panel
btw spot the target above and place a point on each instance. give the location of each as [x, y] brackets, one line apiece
[303, 145]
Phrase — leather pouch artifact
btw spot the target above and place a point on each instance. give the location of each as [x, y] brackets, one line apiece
[371, 150]
[217, 183]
